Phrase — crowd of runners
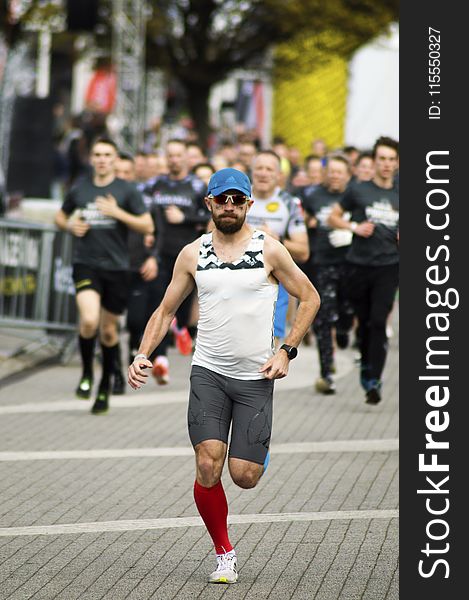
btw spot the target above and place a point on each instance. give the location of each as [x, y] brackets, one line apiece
[199, 251]
[336, 212]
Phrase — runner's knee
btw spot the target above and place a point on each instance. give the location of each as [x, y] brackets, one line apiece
[245, 474]
[88, 326]
[210, 457]
[109, 334]
[109, 338]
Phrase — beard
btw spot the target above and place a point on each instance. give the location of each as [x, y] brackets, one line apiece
[231, 225]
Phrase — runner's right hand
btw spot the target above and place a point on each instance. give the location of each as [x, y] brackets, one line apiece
[78, 227]
[136, 372]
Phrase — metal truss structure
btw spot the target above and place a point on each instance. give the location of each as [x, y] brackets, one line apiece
[18, 79]
[128, 56]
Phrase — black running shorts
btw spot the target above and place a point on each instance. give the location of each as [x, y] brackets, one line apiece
[112, 286]
[217, 401]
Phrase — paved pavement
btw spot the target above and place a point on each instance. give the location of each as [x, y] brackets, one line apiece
[24, 349]
[101, 507]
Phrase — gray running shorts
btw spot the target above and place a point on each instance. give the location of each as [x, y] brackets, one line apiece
[217, 401]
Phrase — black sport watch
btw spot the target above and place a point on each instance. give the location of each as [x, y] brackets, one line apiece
[291, 351]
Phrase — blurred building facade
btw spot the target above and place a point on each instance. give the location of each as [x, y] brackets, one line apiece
[342, 102]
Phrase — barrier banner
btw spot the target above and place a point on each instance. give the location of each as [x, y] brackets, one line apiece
[36, 286]
[20, 252]
[62, 307]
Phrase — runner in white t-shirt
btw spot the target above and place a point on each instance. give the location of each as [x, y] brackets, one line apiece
[279, 214]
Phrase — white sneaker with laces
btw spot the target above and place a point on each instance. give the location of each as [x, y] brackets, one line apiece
[226, 571]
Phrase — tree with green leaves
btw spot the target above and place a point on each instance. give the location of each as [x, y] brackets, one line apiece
[201, 41]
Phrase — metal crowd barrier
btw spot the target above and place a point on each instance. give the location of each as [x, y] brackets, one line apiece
[36, 286]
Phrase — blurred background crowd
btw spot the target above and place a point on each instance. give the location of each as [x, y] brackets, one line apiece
[229, 78]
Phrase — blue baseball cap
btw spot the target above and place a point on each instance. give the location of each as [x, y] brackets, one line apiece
[229, 179]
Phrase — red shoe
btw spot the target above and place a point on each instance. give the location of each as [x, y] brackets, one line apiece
[161, 370]
[183, 339]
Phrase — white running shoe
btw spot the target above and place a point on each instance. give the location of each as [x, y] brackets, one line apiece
[226, 571]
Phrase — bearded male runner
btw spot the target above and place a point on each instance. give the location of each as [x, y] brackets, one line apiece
[236, 270]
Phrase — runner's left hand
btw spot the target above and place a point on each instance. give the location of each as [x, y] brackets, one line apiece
[107, 205]
[276, 367]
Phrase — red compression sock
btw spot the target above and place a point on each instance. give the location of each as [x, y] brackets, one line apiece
[213, 508]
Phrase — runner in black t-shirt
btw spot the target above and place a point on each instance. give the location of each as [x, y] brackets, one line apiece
[178, 200]
[314, 171]
[103, 208]
[328, 249]
[374, 256]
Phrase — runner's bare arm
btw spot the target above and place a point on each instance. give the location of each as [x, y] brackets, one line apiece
[75, 226]
[336, 220]
[298, 246]
[298, 285]
[140, 223]
[61, 220]
[284, 269]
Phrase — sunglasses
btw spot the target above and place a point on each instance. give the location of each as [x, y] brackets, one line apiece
[236, 199]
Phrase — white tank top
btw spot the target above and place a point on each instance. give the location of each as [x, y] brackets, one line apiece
[236, 311]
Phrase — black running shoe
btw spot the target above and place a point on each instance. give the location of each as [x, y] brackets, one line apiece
[118, 386]
[84, 388]
[101, 404]
[373, 396]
